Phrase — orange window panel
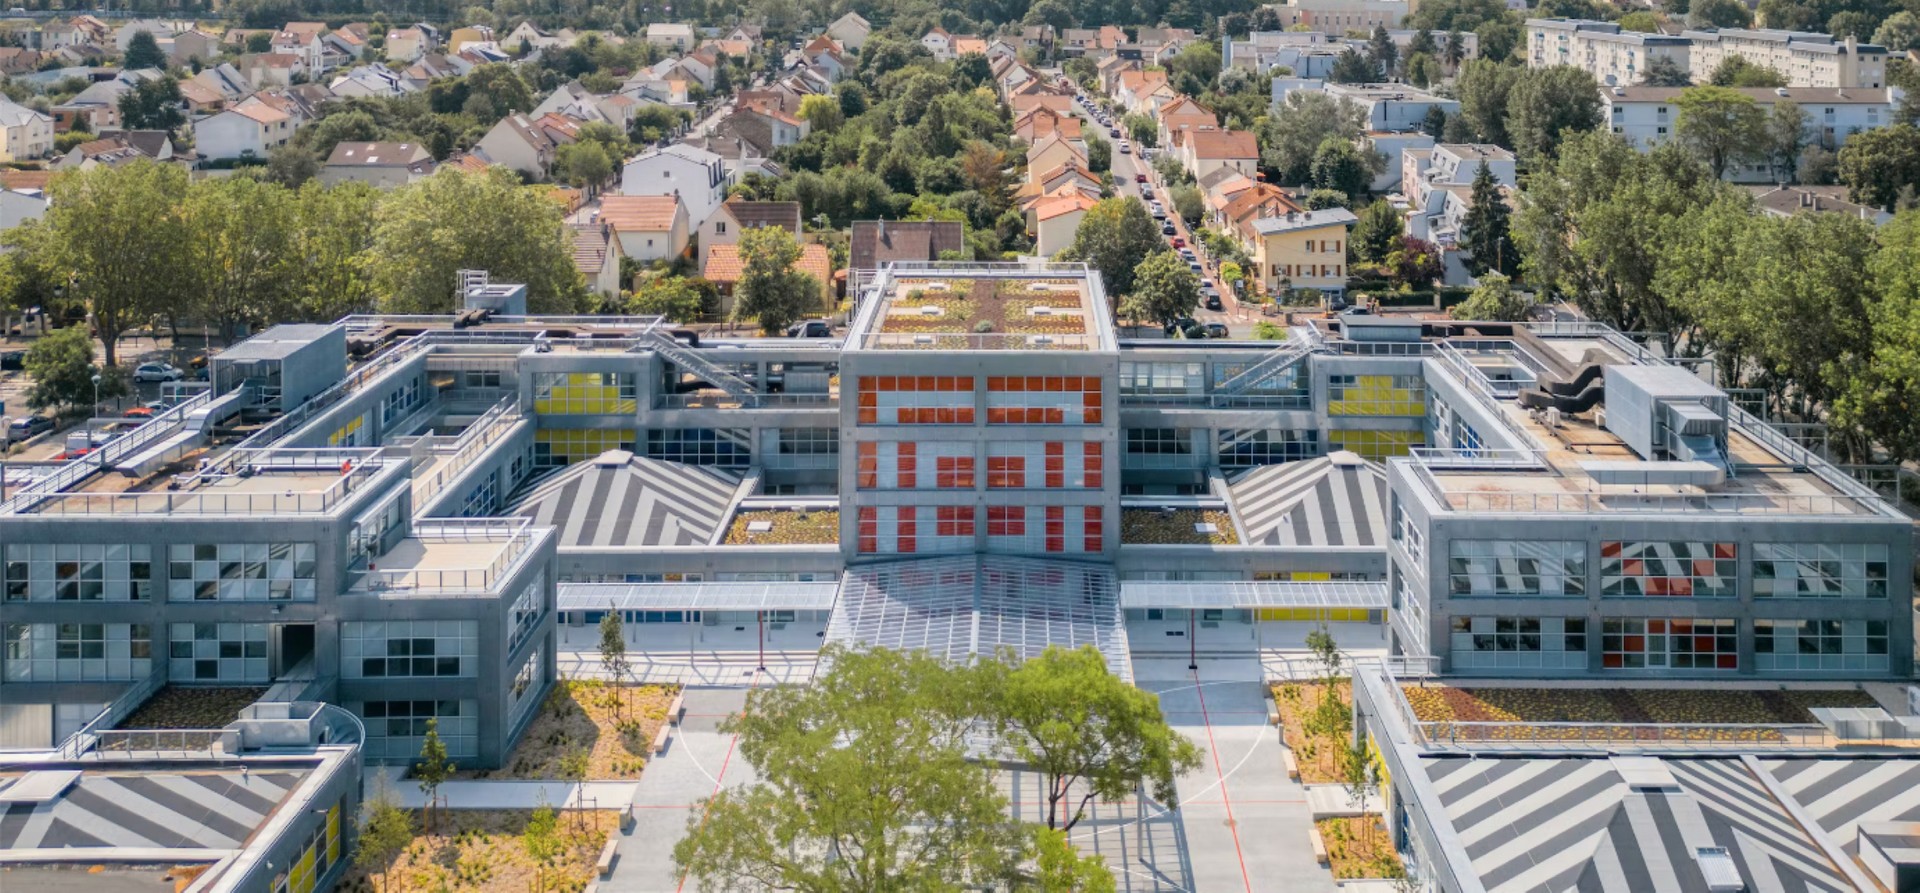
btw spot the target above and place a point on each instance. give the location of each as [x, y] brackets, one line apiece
[869, 416]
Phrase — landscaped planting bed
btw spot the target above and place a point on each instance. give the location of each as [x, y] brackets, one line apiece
[1164, 528]
[1316, 747]
[1360, 848]
[612, 724]
[188, 707]
[482, 850]
[1624, 706]
[987, 307]
[789, 528]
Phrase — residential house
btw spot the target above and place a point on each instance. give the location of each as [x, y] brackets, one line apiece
[248, 130]
[371, 80]
[29, 132]
[1071, 174]
[1000, 50]
[851, 30]
[1786, 201]
[199, 98]
[58, 35]
[1103, 41]
[235, 40]
[381, 165]
[273, 69]
[736, 50]
[1614, 57]
[98, 104]
[18, 60]
[1143, 92]
[1337, 17]
[1054, 151]
[699, 177]
[123, 36]
[1245, 204]
[1059, 104]
[192, 44]
[782, 129]
[1054, 220]
[303, 40]
[1646, 116]
[1042, 121]
[1205, 151]
[229, 82]
[724, 268]
[594, 256]
[1182, 113]
[117, 145]
[672, 35]
[646, 227]
[939, 43]
[751, 34]
[1219, 190]
[18, 206]
[351, 38]
[1438, 186]
[473, 35]
[1300, 249]
[724, 226]
[405, 45]
[1393, 107]
[1038, 38]
[517, 143]
[875, 243]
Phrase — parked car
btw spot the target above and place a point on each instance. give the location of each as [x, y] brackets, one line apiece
[13, 359]
[1180, 324]
[1166, 229]
[1159, 213]
[1126, 148]
[1194, 265]
[813, 328]
[1178, 242]
[1139, 178]
[1212, 301]
[27, 426]
[158, 372]
[1216, 330]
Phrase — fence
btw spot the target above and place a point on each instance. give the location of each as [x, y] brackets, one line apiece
[470, 446]
[1587, 736]
[83, 739]
[514, 535]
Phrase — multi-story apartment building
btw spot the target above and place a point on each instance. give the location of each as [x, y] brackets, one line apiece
[1614, 57]
[425, 511]
[1340, 17]
[1646, 116]
[1804, 59]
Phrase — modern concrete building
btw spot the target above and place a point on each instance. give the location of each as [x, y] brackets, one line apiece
[1614, 57]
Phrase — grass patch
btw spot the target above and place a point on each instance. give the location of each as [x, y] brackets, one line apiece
[1623, 706]
[188, 707]
[612, 723]
[1316, 740]
[789, 528]
[1360, 848]
[1176, 528]
[481, 850]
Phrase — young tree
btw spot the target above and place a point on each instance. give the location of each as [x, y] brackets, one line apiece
[1382, 52]
[1059, 868]
[62, 370]
[1722, 126]
[1494, 301]
[1114, 237]
[1414, 264]
[1434, 122]
[1877, 164]
[1486, 230]
[1341, 166]
[385, 830]
[143, 51]
[541, 839]
[1360, 775]
[1322, 199]
[1662, 71]
[1164, 289]
[1099, 154]
[1786, 138]
[613, 646]
[673, 297]
[433, 768]
[459, 221]
[771, 290]
[1352, 68]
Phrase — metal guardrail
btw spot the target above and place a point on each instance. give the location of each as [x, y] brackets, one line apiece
[764, 401]
[189, 501]
[470, 446]
[141, 743]
[85, 738]
[1585, 736]
[340, 390]
[77, 470]
[515, 535]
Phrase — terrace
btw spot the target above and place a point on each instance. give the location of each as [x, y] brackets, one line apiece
[986, 307]
[249, 482]
[449, 556]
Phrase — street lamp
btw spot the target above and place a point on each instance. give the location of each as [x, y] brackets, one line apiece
[96, 394]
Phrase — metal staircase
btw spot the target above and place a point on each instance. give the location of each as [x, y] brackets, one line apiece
[690, 360]
[1295, 350]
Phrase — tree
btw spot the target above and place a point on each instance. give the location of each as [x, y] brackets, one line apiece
[1545, 103]
[823, 113]
[385, 830]
[152, 105]
[115, 234]
[864, 783]
[433, 768]
[1662, 71]
[1851, 23]
[771, 290]
[1064, 714]
[1382, 52]
[583, 164]
[613, 646]
[1642, 21]
[459, 221]
[1884, 398]
[238, 252]
[1142, 128]
[1059, 868]
[1786, 138]
[1352, 68]
[1113, 237]
[1719, 14]
[1494, 301]
[333, 232]
[1231, 273]
[1453, 50]
[1376, 234]
[1877, 164]
[292, 165]
[1434, 122]
[61, 368]
[1899, 33]
[1486, 230]
[1164, 289]
[1414, 263]
[1485, 88]
[1295, 130]
[1187, 203]
[541, 839]
[673, 297]
[1099, 155]
[143, 51]
[1340, 166]
[1721, 126]
[1360, 775]
[1322, 199]
[1736, 71]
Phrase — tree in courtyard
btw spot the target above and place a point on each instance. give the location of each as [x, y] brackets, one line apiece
[613, 647]
[152, 105]
[455, 221]
[1059, 868]
[143, 51]
[61, 368]
[1164, 289]
[1376, 234]
[1382, 52]
[1360, 775]
[1721, 126]
[1878, 164]
[1736, 71]
[1329, 715]
[1413, 263]
[865, 784]
[1786, 138]
[677, 298]
[1297, 128]
[432, 769]
[115, 234]
[385, 830]
[1662, 71]
[771, 290]
[1352, 67]
[1088, 733]
[1485, 88]
[1486, 230]
[1114, 237]
[541, 839]
[1494, 301]
[1341, 166]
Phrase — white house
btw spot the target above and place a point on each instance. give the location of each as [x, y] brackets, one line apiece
[516, 143]
[851, 30]
[646, 227]
[939, 43]
[370, 80]
[248, 130]
[29, 133]
[735, 215]
[673, 35]
[406, 44]
[697, 176]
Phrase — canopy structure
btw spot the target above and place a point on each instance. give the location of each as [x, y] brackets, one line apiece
[960, 607]
[697, 596]
[1244, 595]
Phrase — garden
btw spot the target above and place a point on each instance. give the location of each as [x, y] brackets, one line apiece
[1178, 527]
[588, 729]
[491, 850]
[1009, 306]
[191, 707]
[1445, 704]
[784, 527]
[1316, 727]
[1360, 848]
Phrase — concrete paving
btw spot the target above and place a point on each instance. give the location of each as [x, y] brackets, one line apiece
[700, 761]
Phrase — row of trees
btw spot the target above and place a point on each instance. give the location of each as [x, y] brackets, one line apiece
[138, 243]
[866, 780]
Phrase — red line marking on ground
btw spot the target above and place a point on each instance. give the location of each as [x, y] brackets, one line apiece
[717, 780]
[1213, 751]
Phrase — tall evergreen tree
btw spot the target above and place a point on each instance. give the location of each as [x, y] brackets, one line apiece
[1486, 229]
[1381, 50]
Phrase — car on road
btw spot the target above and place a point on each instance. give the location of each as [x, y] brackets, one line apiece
[1212, 300]
[1216, 330]
[1194, 265]
[1139, 178]
[1159, 213]
[1126, 148]
[27, 426]
[813, 328]
[1180, 324]
[158, 372]
[13, 359]
[1177, 241]
[1113, 131]
[1166, 229]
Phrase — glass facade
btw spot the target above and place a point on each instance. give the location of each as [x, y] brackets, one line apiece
[1043, 400]
[77, 572]
[395, 728]
[1792, 570]
[232, 572]
[1376, 395]
[1516, 567]
[76, 652]
[1680, 643]
[217, 652]
[585, 393]
[1519, 643]
[1859, 645]
[554, 447]
[916, 400]
[1658, 569]
[409, 648]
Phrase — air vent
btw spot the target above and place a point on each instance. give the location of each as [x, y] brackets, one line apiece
[931, 310]
[759, 526]
[1042, 339]
[612, 459]
[1716, 866]
[1645, 774]
[1206, 527]
[1040, 311]
[923, 339]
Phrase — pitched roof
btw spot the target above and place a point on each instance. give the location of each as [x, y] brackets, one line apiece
[1335, 500]
[1224, 144]
[1184, 105]
[965, 45]
[725, 267]
[469, 163]
[755, 214]
[389, 154]
[876, 242]
[1268, 226]
[1059, 205]
[20, 180]
[261, 112]
[1139, 81]
[621, 499]
[590, 251]
[639, 213]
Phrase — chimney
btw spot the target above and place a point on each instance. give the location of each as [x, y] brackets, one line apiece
[1806, 199]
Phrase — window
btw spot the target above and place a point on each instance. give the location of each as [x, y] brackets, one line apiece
[1159, 441]
[241, 572]
[1667, 569]
[409, 649]
[527, 609]
[720, 227]
[217, 652]
[1266, 446]
[1820, 644]
[399, 400]
[1053, 465]
[318, 855]
[1851, 570]
[1633, 643]
[1516, 567]
[77, 572]
[916, 400]
[554, 447]
[719, 447]
[809, 442]
[1162, 379]
[914, 465]
[1043, 400]
[395, 728]
[527, 683]
[584, 393]
[483, 378]
[1519, 642]
[76, 652]
[1364, 395]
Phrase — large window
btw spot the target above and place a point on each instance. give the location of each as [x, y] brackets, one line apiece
[1052, 465]
[1044, 529]
[1394, 395]
[720, 447]
[395, 728]
[915, 530]
[76, 652]
[409, 648]
[554, 447]
[1552, 643]
[1249, 447]
[217, 652]
[1162, 379]
[317, 856]
[916, 400]
[1820, 644]
[1516, 567]
[584, 393]
[78, 572]
[1793, 570]
[523, 617]
[399, 400]
[1043, 400]
[1635, 643]
[1378, 446]
[915, 465]
[1658, 569]
[526, 687]
[233, 572]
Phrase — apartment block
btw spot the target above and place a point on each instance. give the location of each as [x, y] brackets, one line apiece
[1804, 59]
[1646, 116]
[1614, 57]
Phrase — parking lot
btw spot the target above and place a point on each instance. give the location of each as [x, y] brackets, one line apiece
[49, 446]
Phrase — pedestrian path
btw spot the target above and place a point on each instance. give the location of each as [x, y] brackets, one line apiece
[503, 794]
[700, 761]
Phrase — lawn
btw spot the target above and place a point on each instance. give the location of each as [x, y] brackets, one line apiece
[1444, 703]
[188, 707]
[1176, 527]
[789, 528]
[481, 850]
[612, 724]
[1317, 751]
[1360, 848]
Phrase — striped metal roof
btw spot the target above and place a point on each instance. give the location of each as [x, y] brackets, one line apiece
[1840, 794]
[216, 810]
[638, 502]
[1338, 500]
